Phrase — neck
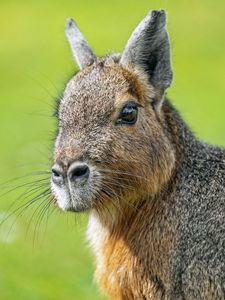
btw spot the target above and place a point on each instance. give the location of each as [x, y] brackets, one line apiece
[180, 135]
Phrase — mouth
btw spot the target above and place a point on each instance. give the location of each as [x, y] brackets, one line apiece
[73, 199]
[76, 194]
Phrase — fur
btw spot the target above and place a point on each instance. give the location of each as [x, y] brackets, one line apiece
[156, 193]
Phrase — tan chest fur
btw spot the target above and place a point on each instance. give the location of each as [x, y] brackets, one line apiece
[119, 271]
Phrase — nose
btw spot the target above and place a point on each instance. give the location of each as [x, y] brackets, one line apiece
[58, 174]
[77, 172]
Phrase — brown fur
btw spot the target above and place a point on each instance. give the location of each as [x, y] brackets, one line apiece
[150, 183]
[130, 183]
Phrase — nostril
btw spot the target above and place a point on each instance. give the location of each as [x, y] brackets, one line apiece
[79, 172]
[57, 175]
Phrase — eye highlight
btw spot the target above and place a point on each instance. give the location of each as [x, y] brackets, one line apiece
[128, 114]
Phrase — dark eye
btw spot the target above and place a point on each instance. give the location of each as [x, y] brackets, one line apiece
[128, 114]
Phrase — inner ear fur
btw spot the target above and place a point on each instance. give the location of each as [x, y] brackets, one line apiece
[148, 49]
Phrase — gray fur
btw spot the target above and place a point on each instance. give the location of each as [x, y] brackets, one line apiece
[82, 52]
[197, 211]
[173, 236]
[148, 48]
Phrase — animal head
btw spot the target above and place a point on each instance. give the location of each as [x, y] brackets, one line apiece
[111, 147]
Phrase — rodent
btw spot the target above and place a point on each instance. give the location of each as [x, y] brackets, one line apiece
[156, 194]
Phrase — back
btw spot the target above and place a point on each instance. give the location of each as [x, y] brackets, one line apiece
[199, 265]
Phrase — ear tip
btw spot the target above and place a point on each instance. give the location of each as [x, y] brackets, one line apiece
[158, 16]
[157, 12]
[70, 23]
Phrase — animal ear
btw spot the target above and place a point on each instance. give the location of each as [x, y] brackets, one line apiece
[148, 49]
[82, 52]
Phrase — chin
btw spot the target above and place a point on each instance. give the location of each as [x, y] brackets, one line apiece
[72, 201]
[74, 205]
[77, 208]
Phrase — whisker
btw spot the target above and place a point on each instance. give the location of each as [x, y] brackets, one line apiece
[122, 173]
[17, 215]
[24, 206]
[117, 184]
[39, 211]
[27, 184]
[26, 194]
[36, 173]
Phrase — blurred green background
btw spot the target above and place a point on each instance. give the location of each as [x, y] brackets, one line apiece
[53, 261]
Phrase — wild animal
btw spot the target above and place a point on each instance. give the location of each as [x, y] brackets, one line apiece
[155, 193]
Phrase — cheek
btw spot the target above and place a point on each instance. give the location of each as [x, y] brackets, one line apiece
[146, 155]
[129, 143]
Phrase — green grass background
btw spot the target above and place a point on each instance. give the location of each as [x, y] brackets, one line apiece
[53, 262]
